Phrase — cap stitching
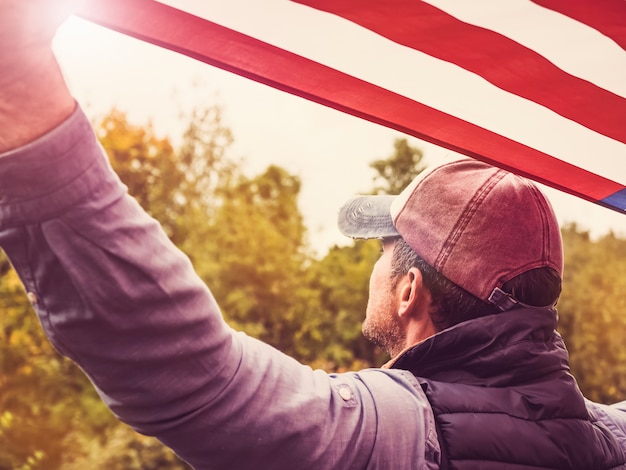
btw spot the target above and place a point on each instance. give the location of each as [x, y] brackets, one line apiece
[465, 218]
[429, 174]
[544, 225]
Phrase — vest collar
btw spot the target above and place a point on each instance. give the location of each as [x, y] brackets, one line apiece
[490, 351]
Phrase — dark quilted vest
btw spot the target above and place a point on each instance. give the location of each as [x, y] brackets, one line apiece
[503, 397]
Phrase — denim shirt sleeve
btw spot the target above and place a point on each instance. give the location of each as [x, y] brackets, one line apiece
[611, 416]
[115, 295]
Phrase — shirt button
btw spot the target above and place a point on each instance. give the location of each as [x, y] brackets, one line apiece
[32, 298]
[345, 393]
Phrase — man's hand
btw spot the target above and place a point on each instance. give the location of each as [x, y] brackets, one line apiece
[33, 96]
[31, 22]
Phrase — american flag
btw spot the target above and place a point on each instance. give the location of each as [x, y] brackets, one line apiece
[536, 87]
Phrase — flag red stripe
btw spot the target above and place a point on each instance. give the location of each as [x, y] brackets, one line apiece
[262, 62]
[605, 16]
[500, 60]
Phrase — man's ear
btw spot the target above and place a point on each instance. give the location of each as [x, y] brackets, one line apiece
[409, 292]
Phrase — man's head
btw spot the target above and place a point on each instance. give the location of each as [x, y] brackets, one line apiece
[472, 231]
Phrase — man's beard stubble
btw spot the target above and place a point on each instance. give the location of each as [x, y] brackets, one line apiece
[383, 329]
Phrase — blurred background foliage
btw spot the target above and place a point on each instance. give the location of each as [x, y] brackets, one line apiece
[247, 240]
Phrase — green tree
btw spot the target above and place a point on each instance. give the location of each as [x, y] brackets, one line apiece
[591, 312]
[257, 254]
[330, 336]
[397, 171]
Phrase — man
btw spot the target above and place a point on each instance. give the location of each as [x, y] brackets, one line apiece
[478, 378]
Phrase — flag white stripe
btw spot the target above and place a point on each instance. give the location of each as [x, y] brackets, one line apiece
[570, 45]
[340, 44]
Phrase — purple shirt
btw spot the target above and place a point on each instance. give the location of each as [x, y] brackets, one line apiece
[115, 295]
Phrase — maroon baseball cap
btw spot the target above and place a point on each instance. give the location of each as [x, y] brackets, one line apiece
[478, 225]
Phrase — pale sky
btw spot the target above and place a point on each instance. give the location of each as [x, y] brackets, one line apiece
[328, 150]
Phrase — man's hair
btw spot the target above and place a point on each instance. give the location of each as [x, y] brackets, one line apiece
[451, 304]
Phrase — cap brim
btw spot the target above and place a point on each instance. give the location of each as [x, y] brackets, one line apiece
[367, 217]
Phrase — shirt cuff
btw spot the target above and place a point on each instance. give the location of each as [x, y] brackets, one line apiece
[49, 175]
